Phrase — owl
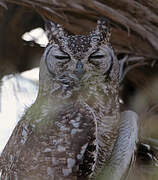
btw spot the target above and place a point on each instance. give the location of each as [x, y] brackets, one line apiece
[74, 130]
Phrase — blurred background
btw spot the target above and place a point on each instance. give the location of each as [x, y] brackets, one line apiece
[134, 39]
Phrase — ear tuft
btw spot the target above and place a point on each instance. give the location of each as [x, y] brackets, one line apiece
[49, 25]
[54, 31]
[50, 28]
[103, 29]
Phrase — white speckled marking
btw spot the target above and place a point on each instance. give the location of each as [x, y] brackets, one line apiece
[24, 136]
[56, 142]
[83, 149]
[11, 158]
[38, 120]
[74, 131]
[75, 124]
[63, 128]
[70, 163]
[24, 132]
[54, 162]
[60, 148]
[45, 110]
[95, 154]
[47, 150]
[66, 172]
[49, 170]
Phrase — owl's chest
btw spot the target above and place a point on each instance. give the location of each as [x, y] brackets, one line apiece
[76, 126]
[84, 131]
[68, 140]
[68, 132]
[83, 117]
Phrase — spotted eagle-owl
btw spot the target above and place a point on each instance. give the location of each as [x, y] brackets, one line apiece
[72, 129]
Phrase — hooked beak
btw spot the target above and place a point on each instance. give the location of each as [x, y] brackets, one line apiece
[79, 70]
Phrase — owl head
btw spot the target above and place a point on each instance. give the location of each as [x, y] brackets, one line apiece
[72, 60]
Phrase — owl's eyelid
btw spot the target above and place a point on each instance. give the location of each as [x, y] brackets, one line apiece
[99, 56]
[62, 57]
[96, 55]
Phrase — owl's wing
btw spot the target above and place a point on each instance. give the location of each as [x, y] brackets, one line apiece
[122, 157]
[12, 151]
